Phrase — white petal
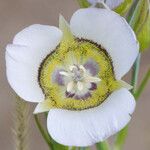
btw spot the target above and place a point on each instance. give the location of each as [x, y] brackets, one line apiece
[84, 128]
[82, 68]
[111, 3]
[109, 30]
[24, 56]
[41, 37]
[70, 86]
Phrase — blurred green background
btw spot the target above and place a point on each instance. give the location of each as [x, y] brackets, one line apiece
[17, 14]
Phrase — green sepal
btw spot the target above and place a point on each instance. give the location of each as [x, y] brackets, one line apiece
[65, 28]
[140, 22]
[121, 84]
[83, 3]
[123, 8]
[124, 84]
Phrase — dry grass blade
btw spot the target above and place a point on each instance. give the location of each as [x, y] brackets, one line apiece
[21, 124]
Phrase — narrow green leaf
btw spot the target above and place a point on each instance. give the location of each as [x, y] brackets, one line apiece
[135, 73]
[143, 34]
[131, 11]
[139, 14]
[142, 85]
[140, 22]
[83, 3]
[65, 28]
[102, 146]
[142, 14]
[121, 136]
[123, 8]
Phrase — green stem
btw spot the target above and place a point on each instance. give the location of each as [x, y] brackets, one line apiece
[102, 145]
[73, 148]
[135, 73]
[43, 132]
[142, 85]
[82, 148]
[121, 136]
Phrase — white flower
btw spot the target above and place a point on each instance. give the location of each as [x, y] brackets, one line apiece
[111, 3]
[76, 78]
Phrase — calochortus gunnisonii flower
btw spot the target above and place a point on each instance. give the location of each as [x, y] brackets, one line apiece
[75, 72]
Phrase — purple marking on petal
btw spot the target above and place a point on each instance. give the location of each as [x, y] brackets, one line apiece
[83, 97]
[93, 86]
[92, 66]
[57, 77]
[68, 94]
[77, 97]
[87, 95]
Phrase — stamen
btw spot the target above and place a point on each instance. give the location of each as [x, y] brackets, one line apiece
[82, 68]
[92, 79]
[64, 73]
[80, 86]
[72, 67]
[70, 86]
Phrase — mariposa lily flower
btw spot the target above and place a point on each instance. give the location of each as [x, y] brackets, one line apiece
[75, 72]
[111, 3]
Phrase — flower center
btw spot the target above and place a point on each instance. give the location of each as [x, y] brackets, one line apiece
[76, 72]
[77, 75]
[78, 80]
